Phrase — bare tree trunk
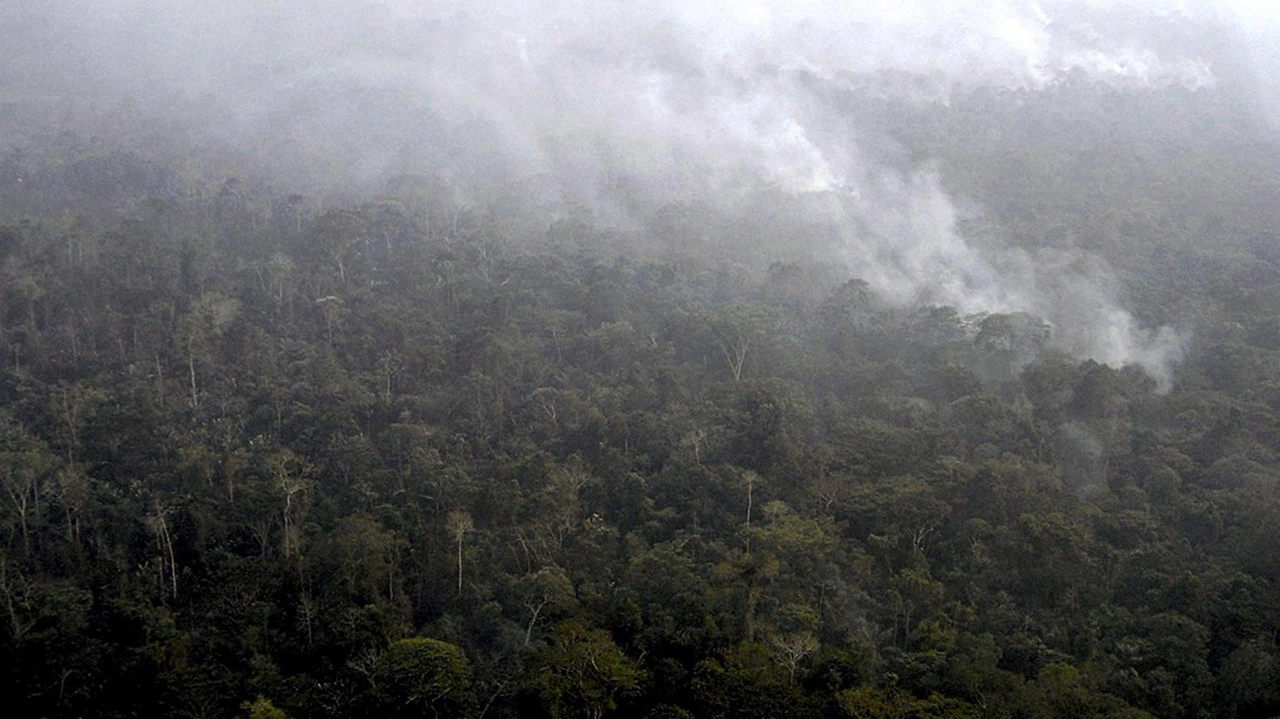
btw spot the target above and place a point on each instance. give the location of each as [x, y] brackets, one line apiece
[459, 564]
[191, 367]
[537, 610]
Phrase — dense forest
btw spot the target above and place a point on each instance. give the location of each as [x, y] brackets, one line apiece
[273, 453]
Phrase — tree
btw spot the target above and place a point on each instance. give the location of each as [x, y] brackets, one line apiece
[546, 590]
[26, 466]
[791, 648]
[582, 673]
[459, 525]
[750, 479]
[262, 708]
[198, 330]
[737, 330]
[419, 675]
[289, 474]
[158, 523]
[871, 703]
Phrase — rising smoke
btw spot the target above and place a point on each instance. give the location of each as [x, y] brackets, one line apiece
[622, 107]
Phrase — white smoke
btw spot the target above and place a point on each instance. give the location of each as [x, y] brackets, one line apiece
[902, 239]
[670, 99]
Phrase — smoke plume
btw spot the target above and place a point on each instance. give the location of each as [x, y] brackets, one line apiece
[622, 107]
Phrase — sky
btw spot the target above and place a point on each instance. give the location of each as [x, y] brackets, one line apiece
[621, 106]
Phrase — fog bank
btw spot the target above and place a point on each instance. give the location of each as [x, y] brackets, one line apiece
[623, 107]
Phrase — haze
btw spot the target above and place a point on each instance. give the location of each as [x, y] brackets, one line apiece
[619, 109]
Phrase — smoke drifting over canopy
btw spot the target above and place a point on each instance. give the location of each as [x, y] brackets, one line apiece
[622, 107]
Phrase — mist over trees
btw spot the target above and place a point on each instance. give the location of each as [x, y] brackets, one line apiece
[647, 360]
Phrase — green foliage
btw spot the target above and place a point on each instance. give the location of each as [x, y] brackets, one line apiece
[421, 675]
[582, 673]
[262, 708]
[248, 446]
[870, 703]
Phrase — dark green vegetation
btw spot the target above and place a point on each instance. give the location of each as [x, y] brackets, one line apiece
[401, 458]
